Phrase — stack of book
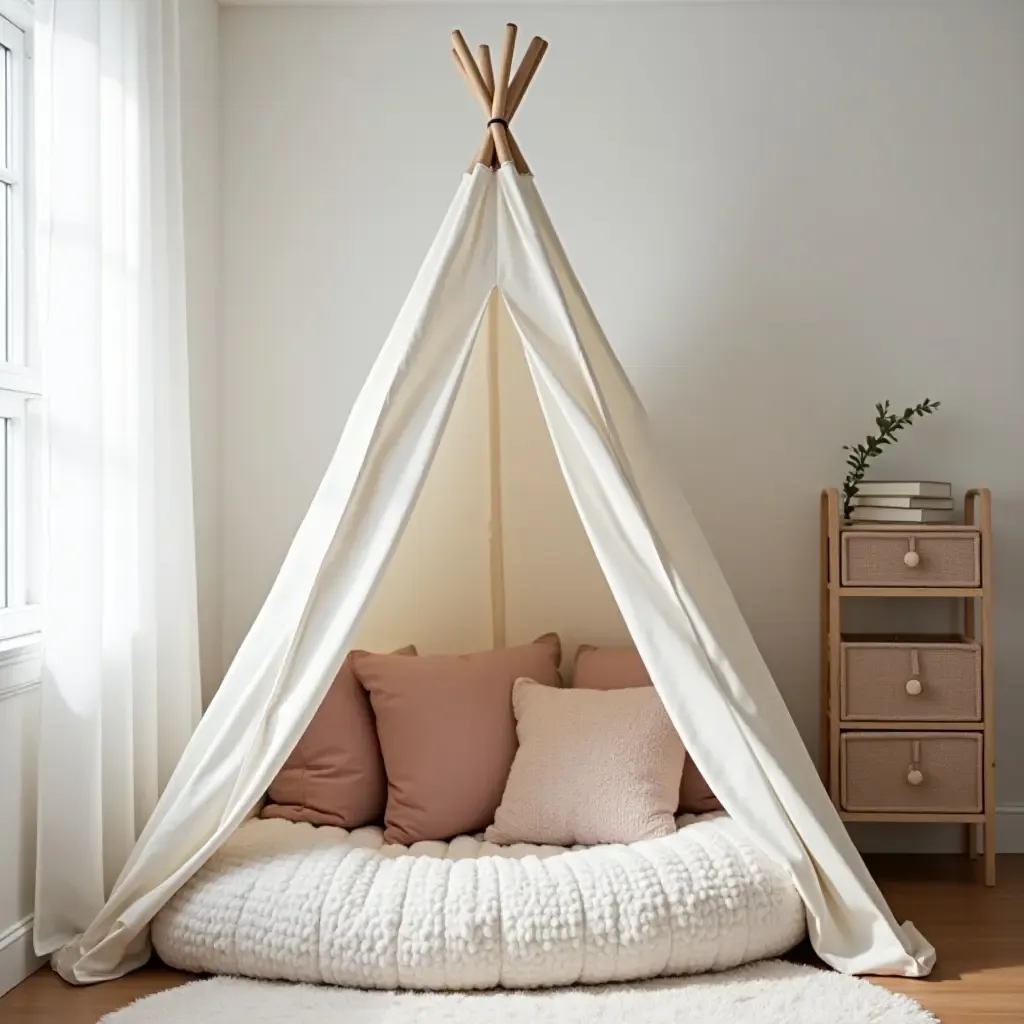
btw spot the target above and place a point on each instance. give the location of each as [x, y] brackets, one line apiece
[902, 501]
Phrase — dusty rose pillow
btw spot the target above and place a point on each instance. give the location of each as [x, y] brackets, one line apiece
[615, 668]
[447, 733]
[335, 774]
[592, 767]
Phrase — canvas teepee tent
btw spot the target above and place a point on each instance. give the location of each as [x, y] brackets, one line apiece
[497, 338]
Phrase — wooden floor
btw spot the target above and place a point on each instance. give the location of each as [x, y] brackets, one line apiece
[978, 932]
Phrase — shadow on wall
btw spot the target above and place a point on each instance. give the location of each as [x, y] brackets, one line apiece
[753, 401]
[753, 397]
[737, 402]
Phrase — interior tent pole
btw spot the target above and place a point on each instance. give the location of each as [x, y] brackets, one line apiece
[499, 95]
[496, 532]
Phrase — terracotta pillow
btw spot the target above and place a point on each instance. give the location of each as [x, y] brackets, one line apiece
[447, 733]
[592, 767]
[335, 774]
[616, 668]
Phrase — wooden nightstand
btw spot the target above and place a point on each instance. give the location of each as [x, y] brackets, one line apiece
[907, 725]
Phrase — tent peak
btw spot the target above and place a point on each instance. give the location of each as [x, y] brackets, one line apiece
[499, 95]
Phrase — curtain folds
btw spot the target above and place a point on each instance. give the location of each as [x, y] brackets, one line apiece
[121, 690]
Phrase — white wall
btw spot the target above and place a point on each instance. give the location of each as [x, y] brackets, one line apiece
[782, 213]
[200, 105]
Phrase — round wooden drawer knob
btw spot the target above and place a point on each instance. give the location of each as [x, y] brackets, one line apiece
[911, 559]
[914, 777]
[913, 687]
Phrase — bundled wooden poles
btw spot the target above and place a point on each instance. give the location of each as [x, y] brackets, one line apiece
[499, 95]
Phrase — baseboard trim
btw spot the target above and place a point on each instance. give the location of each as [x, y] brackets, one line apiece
[17, 957]
[21, 666]
[932, 838]
[1010, 829]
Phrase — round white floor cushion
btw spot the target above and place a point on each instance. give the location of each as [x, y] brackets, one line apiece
[295, 902]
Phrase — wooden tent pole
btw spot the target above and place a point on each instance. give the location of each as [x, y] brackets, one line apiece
[469, 67]
[517, 90]
[524, 75]
[496, 537]
[486, 153]
[517, 154]
[483, 58]
[474, 77]
[498, 124]
[483, 62]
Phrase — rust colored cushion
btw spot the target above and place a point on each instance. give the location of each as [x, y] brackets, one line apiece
[448, 733]
[335, 774]
[616, 668]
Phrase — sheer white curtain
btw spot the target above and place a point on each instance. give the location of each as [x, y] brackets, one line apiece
[121, 691]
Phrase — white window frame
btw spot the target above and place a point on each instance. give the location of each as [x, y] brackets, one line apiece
[20, 378]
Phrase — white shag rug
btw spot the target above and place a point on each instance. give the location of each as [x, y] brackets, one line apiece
[770, 992]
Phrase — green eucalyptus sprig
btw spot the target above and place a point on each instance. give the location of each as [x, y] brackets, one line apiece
[889, 424]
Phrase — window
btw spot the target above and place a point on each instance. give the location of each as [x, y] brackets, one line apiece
[20, 449]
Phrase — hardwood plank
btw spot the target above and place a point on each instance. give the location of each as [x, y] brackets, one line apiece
[979, 974]
[45, 998]
[979, 977]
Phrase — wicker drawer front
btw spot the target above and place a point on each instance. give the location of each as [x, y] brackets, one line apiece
[879, 771]
[892, 682]
[877, 559]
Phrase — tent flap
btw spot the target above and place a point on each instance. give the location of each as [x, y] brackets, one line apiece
[678, 607]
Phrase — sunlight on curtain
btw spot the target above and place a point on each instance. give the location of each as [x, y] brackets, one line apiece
[121, 692]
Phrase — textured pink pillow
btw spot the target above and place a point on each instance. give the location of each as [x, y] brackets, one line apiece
[335, 775]
[592, 767]
[616, 668]
[447, 733]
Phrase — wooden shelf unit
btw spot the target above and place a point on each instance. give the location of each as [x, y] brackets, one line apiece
[977, 602]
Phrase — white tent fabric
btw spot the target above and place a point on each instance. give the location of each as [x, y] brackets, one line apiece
[663, 577]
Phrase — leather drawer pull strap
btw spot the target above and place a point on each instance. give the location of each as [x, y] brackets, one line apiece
[915, 776]
[913, 686]
[911, 558]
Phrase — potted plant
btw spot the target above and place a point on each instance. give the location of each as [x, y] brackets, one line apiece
[889, 425]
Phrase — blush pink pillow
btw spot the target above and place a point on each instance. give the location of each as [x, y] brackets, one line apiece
[335, 774]
[448, 734]
[592, 767]
[617, 668]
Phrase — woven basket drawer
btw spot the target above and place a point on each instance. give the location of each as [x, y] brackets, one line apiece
[945, 559]
[877, 767]
[879, 681]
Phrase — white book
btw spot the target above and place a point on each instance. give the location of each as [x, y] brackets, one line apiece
[902, 502]
[869, 514]
[904, 488]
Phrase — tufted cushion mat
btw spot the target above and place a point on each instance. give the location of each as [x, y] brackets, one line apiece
[290, 901]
